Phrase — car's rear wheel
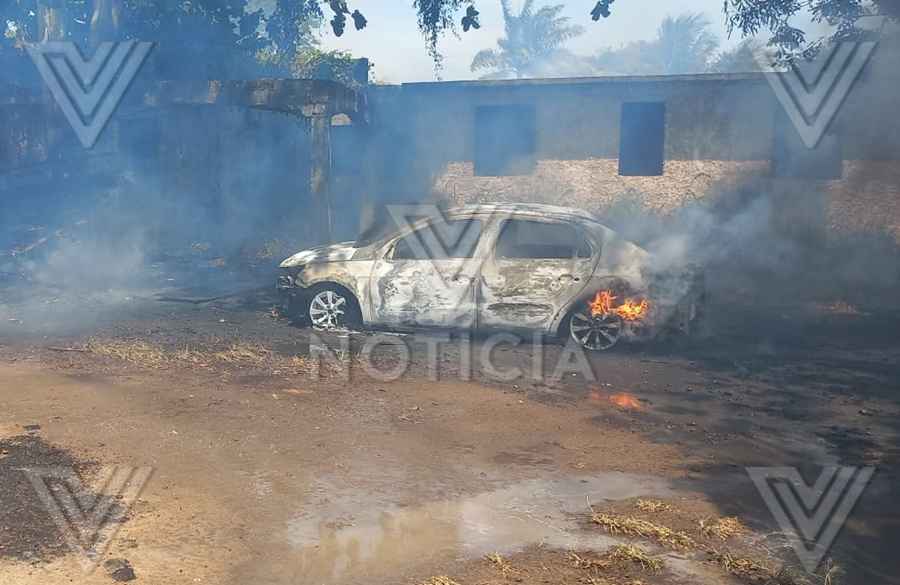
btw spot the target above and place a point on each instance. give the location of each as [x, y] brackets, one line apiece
[332, 307]
[596, 333]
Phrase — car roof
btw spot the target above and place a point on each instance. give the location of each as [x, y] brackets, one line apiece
[530, 209]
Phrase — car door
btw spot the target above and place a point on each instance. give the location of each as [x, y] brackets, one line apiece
[535, 268]
[427, 277]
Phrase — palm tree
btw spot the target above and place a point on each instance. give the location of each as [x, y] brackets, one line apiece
[683, 44]
[686, 44]
[533, 38]
[740, 59]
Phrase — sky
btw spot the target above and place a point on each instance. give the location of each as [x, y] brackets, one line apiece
[393, 43]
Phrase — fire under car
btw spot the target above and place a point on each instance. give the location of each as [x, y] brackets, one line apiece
[510, 267]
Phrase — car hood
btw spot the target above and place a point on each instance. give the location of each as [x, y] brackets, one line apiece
[329, 253]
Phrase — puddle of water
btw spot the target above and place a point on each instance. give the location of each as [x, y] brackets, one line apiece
[365, 538]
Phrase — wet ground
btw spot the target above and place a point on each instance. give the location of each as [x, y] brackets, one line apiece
[279, 457]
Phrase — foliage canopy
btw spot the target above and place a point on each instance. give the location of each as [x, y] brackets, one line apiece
[285, 26]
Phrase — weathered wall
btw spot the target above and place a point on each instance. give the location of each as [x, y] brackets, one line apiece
[721, 131]
[707, 117]
[22, 141]
[867, 199]
[594, 184]
[717, 129]
[237, 173]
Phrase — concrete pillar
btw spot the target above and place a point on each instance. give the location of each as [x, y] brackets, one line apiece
[51, 20]
[105, 21]
[319, 120]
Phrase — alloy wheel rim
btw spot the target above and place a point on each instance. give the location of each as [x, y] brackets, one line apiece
[595, 333]
[327, 310]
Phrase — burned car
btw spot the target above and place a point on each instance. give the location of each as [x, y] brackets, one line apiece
[513, 267]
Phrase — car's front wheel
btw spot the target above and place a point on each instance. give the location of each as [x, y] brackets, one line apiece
[596, 333]
[332, 307]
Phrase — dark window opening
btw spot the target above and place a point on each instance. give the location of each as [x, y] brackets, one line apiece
[537, 239]
[456, 238]
[642, 139]
[505, 140]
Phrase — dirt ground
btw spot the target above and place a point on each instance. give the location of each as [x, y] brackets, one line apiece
[268, 468]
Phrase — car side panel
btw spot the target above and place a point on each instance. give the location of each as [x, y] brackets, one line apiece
[527, 293]
[422, 292]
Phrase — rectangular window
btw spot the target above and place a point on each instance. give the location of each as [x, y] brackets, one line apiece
[440, 240]
[505, 140]
[538, 239]
[642, 139]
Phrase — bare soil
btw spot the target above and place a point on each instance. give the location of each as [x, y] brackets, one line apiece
[268, 472]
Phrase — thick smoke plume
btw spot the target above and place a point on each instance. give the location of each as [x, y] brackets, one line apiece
[760, 245]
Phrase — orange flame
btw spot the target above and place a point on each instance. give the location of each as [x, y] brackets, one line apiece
[630, 310]
[625, 400]
[602, 303]
[633, 310]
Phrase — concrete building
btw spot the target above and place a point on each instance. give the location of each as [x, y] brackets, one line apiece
[588, 142]
[662, 140]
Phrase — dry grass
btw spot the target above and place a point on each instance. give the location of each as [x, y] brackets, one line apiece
[832, 573]
[629, 553]
[652, 506]
[244, 353]
[440, 580]
[754, 571]
[186, 355]
[136, 352]
[722, 528]
[581, 562]
[302, 363]
[500, 563]
[631, 526]
[238, 354]
[741, 566]
[598, 580]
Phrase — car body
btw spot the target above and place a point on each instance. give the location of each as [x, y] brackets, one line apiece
[515, 267]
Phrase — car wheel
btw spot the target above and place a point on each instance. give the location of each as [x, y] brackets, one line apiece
[596, 333]
[332, 307]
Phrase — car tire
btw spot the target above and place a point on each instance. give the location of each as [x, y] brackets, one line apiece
[331, 306]
[578, 312]
[593, 333]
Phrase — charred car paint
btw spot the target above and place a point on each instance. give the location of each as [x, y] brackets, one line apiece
[518, 267]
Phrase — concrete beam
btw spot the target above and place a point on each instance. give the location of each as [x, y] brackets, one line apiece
[305, 97]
